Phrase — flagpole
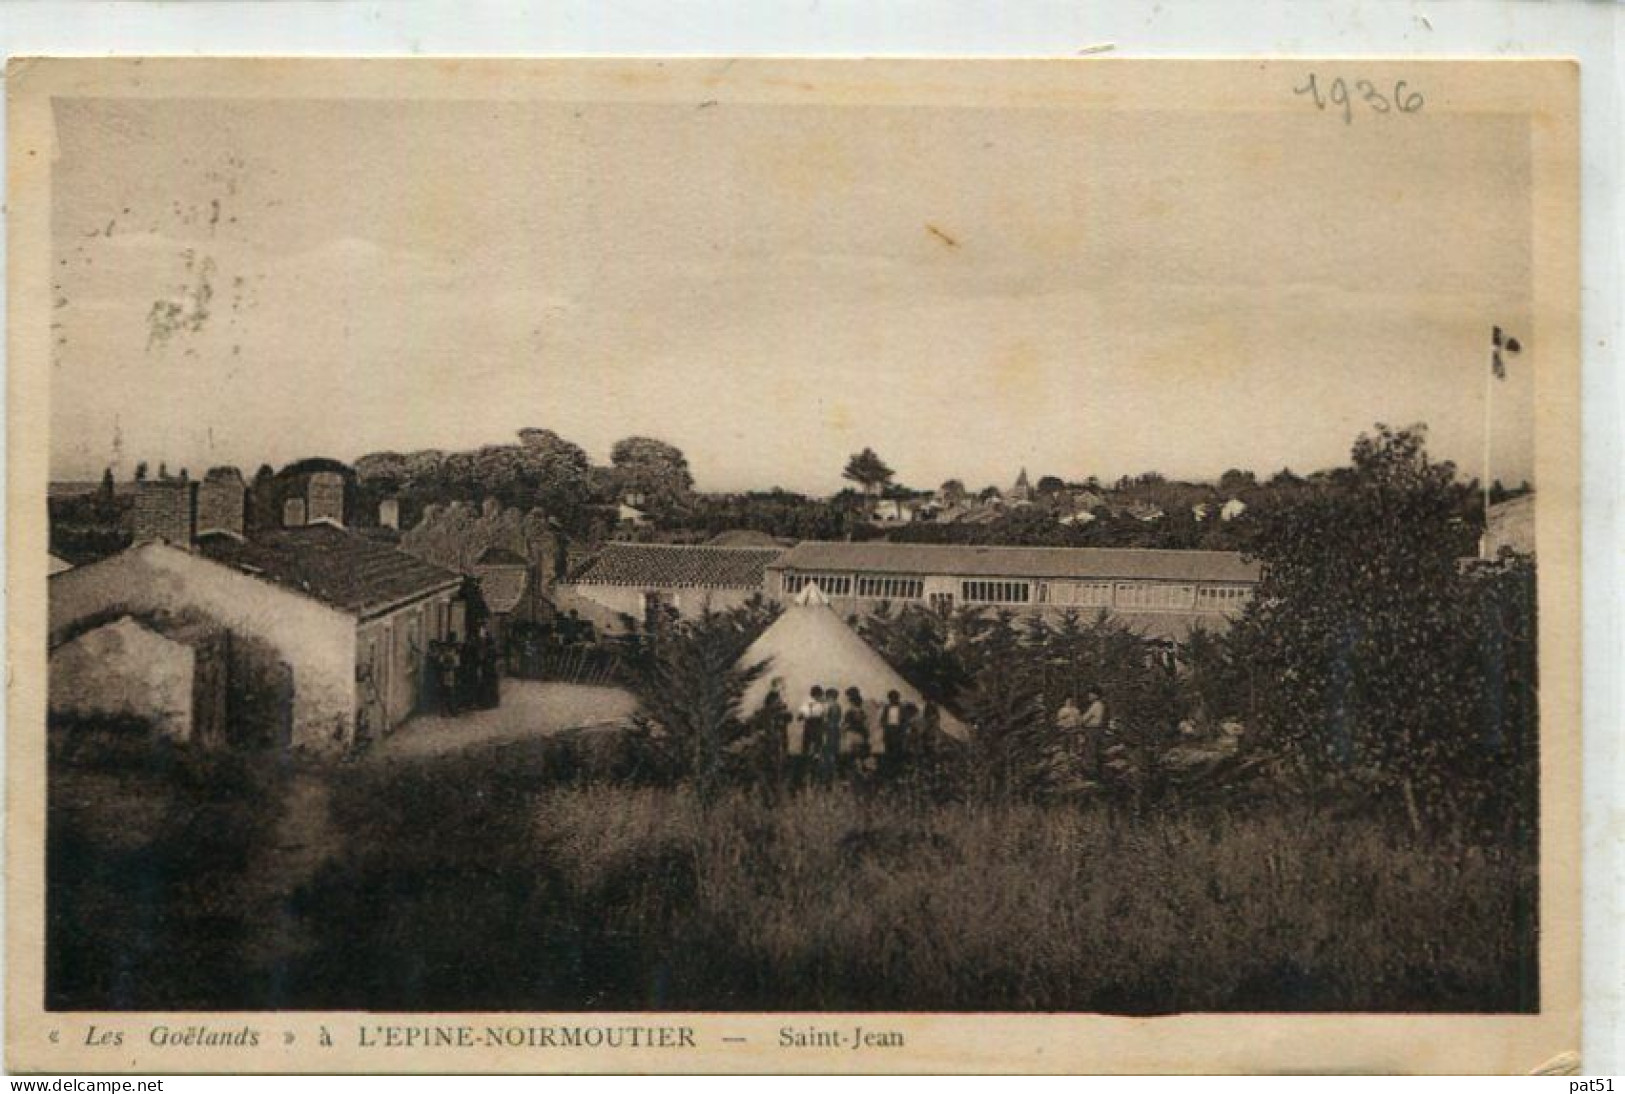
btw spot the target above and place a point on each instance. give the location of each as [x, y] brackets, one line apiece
[1489, 425]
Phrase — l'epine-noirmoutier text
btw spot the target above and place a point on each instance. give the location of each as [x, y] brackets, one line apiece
[526, 1037]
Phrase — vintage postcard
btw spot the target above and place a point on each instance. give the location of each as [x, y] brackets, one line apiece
[790, 565]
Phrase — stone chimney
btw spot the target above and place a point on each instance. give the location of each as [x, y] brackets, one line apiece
[222, 497]
[166, 511]
[389, 513]
[293, 513]
[325, 493]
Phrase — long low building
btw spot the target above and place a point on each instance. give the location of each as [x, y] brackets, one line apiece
[1159, 593]
[617, 587]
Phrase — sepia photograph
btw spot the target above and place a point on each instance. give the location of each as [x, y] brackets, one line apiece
[825, 538]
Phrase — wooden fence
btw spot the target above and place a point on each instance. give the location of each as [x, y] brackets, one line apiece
[572, 664]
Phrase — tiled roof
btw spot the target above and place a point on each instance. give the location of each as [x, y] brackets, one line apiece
[657, 565]
[342, 569]
[1040, 562]
[503, 588]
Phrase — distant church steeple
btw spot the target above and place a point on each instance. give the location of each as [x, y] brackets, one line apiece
[1022, 490]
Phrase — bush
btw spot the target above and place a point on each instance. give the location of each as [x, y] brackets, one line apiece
[152, 853]
[1386, 671]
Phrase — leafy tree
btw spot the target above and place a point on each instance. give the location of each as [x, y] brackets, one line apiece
[952, 492]
[141, 471]
[652, 469]
[1050, 485]
[867, 470]
[1218, 679]
[1361, 653]
[384, 472]
[689, 686]
[1006, 715]
[107, 484]
[422, 470]
[1234, 481]
[920, 643]
[990, 493]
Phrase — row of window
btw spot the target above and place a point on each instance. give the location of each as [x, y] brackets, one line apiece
[1131, 595]
[865, 586]
[828, 584]
[996, 592]
[1221, 596]
[1138, 595]
[891, 588]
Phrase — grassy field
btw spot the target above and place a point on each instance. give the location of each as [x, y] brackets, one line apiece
[829, 902]
[534, 877]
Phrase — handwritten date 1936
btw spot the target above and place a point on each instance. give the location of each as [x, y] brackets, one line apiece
[1350, 98]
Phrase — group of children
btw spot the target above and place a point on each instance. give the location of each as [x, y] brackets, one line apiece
[832, 735]
[464, 675]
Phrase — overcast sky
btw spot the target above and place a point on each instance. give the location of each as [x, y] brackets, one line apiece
[771, 287]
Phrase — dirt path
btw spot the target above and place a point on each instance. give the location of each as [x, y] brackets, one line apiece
[303, 841]
[529, 708]
[305, 837]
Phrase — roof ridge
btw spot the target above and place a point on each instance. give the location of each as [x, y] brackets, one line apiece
[1000, 547]
[691, 546]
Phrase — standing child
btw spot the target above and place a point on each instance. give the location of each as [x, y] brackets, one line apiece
[829, 752]
[893, 734]
[803, 736]
[856, 746]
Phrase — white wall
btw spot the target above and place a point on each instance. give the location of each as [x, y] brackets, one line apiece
[690, 603]
[123, 669]
[317, 642]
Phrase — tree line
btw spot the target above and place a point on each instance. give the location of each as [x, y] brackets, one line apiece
[1373, 669]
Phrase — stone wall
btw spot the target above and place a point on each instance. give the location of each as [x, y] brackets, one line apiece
[324, 497]
[166, 511]
[221, 500]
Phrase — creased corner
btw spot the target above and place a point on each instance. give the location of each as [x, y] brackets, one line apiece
[1564, 1063]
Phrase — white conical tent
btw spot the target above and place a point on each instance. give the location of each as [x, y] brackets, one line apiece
[808, 645]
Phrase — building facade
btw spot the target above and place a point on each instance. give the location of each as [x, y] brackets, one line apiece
[169, 673]
[328, 630]
[617, 587]
[1162, 594]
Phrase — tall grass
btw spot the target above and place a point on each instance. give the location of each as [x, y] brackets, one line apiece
[833, 902]
[543, 876]
[536, 893]
[152, 859]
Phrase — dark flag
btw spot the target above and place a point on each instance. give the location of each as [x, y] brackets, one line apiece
[1501, 344]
